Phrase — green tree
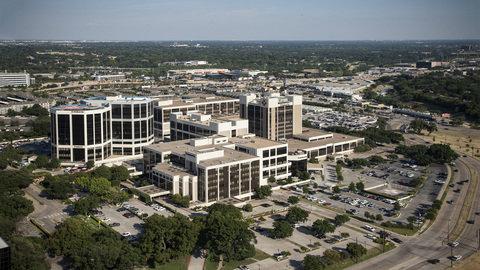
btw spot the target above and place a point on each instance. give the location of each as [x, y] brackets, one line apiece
[86, 205]
[119, 174]
[247, 208]
[263, 192]
[90, 164]
[281, 229]
[336, 189]
[27, 253]
[321, 227]
[341, 219]
[41, 161]
[293, 199]
[313, 262]
[226, 233]
[165, 239]
[356, 250]
[352, 187]
[360, 186]
[183, 201]
[331, 256]
[296, 214]
[103, 172]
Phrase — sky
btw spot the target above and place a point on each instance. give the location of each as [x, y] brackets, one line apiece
[239, 19]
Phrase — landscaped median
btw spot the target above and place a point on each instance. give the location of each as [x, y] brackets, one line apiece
[467, 206]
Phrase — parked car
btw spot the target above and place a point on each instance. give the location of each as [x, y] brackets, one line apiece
[454, 244]
[115, 224]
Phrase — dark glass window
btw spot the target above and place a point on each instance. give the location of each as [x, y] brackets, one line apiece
[266, 153]
[78, 129]
[90, 129]
[117, 130]
[127, 130]
[144, 129]
[78, 154]
[282, 150]
[143, 110]
[116, 111]
[63, 129]
[127, 111]
[137, 129]
[98, 128]
[136, 110]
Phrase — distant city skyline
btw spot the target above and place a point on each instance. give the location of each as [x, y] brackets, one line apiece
[240, 20]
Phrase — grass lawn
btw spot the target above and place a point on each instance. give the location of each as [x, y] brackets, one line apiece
[370, 254]
[402, 231]
[259, 255]
[178, 264]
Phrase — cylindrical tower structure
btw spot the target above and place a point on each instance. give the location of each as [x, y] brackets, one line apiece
[81, 133]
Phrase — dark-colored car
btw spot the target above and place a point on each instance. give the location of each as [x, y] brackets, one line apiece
[471, 221]
[396, 240]
[115, 224]
[128, 215]
[433, 261]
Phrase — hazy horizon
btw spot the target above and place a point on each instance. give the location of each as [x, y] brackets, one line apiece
[248, 20]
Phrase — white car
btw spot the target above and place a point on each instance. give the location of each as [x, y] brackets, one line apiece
[126, 234]
[454, 244]
[457, 258]
[369, 228]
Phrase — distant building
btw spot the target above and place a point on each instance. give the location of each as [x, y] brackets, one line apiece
[272, 116]
[431, 64]
[15, 79]
[5, 256]
[111, 77]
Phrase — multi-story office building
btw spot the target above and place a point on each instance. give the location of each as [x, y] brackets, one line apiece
[273, 155]
[81, 133]
[212, 105]
[272, 116]
[102, 129]
[15, 79]
[5, 256]
[132, 123]
[207, 169]
[197, 125]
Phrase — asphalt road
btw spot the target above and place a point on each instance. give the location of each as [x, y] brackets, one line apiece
[415, 252]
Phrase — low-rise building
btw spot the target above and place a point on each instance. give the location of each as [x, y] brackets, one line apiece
[15, 79]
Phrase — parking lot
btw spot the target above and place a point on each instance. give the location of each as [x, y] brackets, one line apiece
[125, 221]
[302, 237]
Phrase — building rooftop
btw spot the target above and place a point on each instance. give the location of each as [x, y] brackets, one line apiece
[229, 156]
[76, 107]
[255, 142]
[296, 144]
[171, 170]
[181, 147]
[308, 134]
[192, 100]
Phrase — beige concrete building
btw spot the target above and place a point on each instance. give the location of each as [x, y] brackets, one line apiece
[272, 116]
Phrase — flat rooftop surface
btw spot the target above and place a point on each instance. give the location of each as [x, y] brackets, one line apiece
[310, 133]
[195, 100]
[295, 144]
[255, 142]
[171, 170]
